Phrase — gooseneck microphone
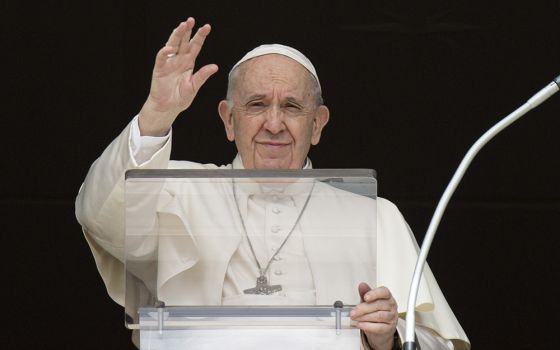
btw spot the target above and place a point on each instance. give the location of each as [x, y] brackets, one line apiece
[533, 102]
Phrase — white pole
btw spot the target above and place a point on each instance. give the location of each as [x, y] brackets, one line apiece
[533, 102]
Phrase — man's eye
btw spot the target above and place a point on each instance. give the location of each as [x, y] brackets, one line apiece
[255, 107]
[292, 107]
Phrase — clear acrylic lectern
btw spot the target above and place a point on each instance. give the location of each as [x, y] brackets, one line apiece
[248, 259]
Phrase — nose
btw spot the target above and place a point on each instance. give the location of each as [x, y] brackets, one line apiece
[274, 122]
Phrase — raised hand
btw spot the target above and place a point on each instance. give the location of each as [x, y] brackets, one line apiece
[377, 316]
[174, 82]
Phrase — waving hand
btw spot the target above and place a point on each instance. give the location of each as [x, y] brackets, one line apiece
[174, 80]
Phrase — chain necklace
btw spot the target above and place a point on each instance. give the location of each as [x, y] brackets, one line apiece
[262, 287]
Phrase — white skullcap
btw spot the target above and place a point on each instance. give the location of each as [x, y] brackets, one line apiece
[280, 50]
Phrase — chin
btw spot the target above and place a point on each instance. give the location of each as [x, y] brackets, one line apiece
[273, 164]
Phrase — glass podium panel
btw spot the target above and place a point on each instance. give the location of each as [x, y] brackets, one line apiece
[232, 250]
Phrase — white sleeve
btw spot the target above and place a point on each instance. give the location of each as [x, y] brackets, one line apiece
[143, 148]
[100, 205]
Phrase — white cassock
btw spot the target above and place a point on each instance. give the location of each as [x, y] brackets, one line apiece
[224, 270]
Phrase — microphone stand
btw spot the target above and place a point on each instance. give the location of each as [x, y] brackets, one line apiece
[533, 102]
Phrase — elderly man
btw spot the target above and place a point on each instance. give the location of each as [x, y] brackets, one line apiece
[274, 113]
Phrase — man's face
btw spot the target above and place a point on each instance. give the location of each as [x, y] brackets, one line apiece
[274, 119]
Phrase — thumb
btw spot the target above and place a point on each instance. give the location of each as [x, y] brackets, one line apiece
[363, 288]
[200, 77]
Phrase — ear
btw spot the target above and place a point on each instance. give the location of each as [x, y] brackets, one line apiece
[227, 117]
[320, 119]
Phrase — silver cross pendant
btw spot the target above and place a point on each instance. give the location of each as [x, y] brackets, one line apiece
[263, 288]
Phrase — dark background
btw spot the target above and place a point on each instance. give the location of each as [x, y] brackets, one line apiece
[410, 86]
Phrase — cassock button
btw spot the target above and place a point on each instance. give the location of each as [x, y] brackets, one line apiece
[278, 272]
[275, 229]
[277, 258]
[276, 210]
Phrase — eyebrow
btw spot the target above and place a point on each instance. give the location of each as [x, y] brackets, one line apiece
[294, 100]
[254, 98]
[257, 97]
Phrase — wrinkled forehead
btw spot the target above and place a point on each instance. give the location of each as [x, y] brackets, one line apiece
[267, 73]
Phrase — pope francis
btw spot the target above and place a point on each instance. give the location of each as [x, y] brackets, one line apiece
[273, 112]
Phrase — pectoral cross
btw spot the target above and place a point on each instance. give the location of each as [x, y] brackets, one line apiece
[263, 288]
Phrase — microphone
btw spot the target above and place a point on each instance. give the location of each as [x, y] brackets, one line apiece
[533, 102]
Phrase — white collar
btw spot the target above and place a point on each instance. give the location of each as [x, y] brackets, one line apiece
[298, 190]
[238, 163]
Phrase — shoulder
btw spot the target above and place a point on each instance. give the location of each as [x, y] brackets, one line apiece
[383, 206]
[387, 207]
[391, 222]
[388, 211]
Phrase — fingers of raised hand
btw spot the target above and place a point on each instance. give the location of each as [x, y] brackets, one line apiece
[180, 52]
[188, 52]
[195, 44]
[180, 38]
[200, 77]
[163, 55]
[181, 34]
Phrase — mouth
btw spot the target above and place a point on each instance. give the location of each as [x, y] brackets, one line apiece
[272, 144]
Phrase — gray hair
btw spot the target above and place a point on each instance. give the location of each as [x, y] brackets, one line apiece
[232, 82]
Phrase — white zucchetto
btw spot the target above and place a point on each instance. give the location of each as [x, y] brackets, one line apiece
[280, 50]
